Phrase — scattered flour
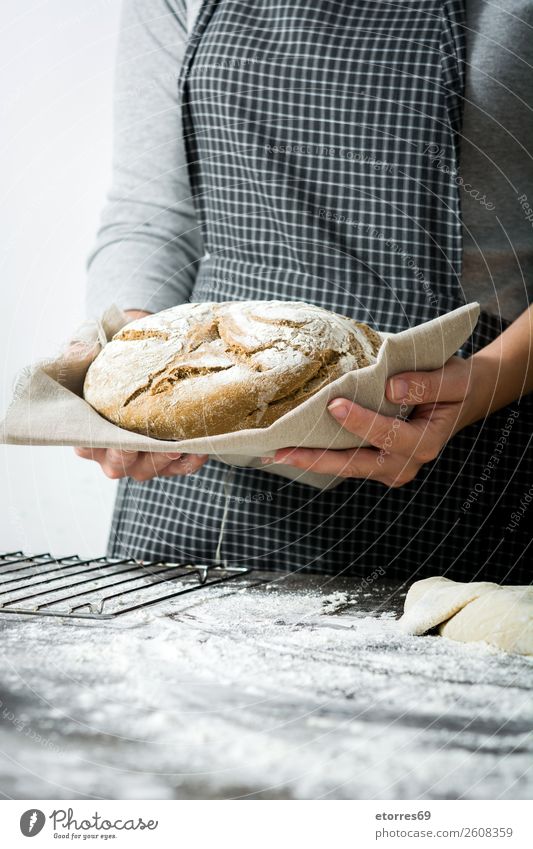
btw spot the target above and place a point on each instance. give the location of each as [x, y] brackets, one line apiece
[264, 692]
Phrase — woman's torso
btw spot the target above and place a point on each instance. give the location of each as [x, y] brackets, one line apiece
[301, 193]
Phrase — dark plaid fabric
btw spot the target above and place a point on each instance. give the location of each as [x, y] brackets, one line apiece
[322, 143]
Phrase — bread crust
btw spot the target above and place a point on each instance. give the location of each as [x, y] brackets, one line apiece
[209, 368]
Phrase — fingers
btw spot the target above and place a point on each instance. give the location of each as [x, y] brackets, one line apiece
[357, 464]
[380, 431]
[97, 454]
[115, 464]
[392, 471]
[142, 465]
[162, 465]
[119, 464]
[188, 465]
[449, 383]
[403, 446]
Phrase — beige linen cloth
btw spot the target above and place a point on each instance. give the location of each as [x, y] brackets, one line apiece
[47, 407]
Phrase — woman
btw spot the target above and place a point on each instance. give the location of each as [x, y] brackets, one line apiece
[310, 151]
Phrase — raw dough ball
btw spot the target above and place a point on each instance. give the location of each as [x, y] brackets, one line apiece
[502, 617]
[471, 612]
[431, 601]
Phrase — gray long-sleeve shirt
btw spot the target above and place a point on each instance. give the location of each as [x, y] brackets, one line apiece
[149, 243]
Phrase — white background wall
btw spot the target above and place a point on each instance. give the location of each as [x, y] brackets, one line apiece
[57, 61]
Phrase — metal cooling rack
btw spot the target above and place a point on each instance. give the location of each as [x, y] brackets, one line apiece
[99, 588]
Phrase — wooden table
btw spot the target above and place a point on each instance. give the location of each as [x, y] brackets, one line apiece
[291, 687]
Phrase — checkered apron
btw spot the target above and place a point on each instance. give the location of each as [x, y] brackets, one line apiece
[322, 144]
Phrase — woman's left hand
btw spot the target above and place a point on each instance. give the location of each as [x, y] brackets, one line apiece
[444, 403]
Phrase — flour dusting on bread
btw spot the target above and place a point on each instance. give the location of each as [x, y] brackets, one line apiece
[208, 368]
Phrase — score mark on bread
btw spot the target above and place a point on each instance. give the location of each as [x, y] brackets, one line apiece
[209, 368]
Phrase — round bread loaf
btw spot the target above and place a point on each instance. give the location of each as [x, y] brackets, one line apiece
[209, 368]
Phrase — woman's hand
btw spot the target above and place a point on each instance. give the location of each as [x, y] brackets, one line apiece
[142, 465]
[444, 402]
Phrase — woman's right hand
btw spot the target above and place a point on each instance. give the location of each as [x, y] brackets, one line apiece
[142, 465]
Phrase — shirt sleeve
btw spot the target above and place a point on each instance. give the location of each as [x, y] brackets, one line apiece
[149, 243]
